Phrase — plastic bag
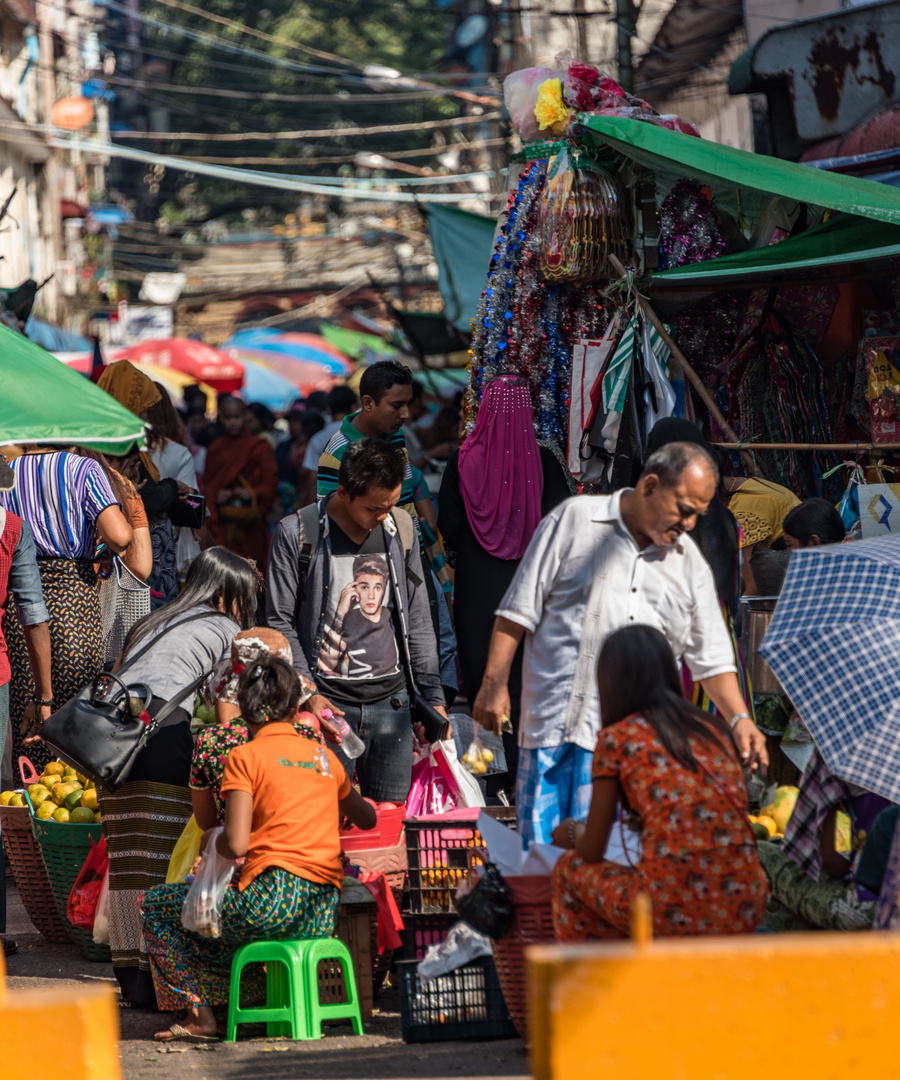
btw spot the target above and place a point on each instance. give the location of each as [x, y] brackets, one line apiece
[488, 904]
[85, 894]
[187, 848]
[520, 93]
[440, 783]
[101, 918]
[462, 945]
[202, 908]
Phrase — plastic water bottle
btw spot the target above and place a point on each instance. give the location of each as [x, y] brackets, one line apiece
[351, 744]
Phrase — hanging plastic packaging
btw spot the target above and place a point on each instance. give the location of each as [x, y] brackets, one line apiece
[202, 908]
[85, 894]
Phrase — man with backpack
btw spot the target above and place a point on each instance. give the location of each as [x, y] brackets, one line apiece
[345, 588]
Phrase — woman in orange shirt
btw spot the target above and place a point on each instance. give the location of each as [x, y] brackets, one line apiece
[285, 795]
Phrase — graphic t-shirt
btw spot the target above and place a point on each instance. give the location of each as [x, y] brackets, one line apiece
[359, 660]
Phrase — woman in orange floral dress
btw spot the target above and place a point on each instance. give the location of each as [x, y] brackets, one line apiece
[676, 769]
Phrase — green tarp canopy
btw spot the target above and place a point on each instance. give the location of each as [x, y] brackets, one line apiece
[462, 245]
[843, 239]
[44, 401]
[355, 343]
[669, 153]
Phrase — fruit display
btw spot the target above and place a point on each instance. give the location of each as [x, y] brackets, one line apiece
[477, 758]
[61, 794]
[772, 820]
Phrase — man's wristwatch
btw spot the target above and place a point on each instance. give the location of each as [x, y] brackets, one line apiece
[738, 717]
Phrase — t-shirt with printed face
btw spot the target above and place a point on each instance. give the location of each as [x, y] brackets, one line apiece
[359, 659]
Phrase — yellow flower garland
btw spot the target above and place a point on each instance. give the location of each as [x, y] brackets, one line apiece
[550, 111]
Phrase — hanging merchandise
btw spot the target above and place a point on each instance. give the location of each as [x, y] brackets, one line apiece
[580, 221]
[589, 359]
[880, 357]
[689, 228]
[775, 393]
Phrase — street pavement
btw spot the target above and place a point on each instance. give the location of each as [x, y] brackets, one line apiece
[380, 1053]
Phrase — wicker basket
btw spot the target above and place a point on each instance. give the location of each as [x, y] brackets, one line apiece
[64, 847]
[532, 924]
[24, 855]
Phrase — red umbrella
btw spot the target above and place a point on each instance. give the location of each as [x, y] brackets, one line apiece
[201, 362]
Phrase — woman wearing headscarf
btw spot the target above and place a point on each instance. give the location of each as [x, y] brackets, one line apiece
[240, 484]
[718, 536]
[138, 393]
[495, 490]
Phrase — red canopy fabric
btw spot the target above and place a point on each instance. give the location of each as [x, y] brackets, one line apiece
[202, 362]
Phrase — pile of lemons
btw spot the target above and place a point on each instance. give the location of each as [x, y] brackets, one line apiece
[61, 794]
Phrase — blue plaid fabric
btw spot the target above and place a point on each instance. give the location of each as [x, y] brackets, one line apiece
[554, 782]
[834, 645]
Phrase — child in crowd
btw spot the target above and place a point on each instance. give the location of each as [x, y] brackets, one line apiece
[285, 794]
[216, 741]
[677, 769]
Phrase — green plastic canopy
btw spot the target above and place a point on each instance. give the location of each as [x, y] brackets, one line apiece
[462, 245]
[843, 239]
[355, 343]
[44, 401]
[670, 151]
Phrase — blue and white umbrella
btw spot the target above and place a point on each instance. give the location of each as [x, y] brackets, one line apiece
[834, 645]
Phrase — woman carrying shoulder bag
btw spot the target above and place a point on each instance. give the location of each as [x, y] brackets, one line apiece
[143, 819]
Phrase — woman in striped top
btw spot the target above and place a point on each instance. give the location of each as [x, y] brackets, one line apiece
[69, 506]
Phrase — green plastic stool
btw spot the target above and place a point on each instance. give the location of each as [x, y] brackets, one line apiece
[285, 1010]
[292, 988]
[329, 949]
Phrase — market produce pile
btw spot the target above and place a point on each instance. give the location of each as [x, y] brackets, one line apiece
[62, 794]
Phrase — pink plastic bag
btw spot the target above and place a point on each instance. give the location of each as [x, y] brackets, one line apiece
[520, 92]
[434, 789]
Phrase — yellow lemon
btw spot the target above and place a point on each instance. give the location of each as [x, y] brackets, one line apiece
[487, 755]
[61, 814]
[81, 816]
[89, 799]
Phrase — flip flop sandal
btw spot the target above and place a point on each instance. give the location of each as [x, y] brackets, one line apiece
[179, 1033]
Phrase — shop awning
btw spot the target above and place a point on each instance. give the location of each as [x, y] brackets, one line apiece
[44, 401]
[669, 153]
[843, 239]
[462, 244]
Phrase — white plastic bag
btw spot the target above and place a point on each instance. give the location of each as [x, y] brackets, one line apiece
[202, 909]
[469, 791]
[101, 918]
[461, 946]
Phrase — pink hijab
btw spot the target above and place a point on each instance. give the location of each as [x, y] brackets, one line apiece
[500, 472]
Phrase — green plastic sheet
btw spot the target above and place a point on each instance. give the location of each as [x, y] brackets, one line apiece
[462, 245]
[355, 343]
[844, 239]
[44, 401]
[663, 150]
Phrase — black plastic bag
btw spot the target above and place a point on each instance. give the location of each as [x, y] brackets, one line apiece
[488, 905]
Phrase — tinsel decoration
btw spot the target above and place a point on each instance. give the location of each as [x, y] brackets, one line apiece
[580, 222]
[525, 325]
[689, 229]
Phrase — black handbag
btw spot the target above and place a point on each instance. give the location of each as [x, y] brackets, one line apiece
[98, 733]
[437, 727]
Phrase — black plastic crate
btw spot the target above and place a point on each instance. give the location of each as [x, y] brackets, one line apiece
[420, 932]
[466, 1004]
[440, 853]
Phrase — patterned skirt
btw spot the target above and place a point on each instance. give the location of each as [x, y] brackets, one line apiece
[142, 822]
[76, 645]
[189, 970]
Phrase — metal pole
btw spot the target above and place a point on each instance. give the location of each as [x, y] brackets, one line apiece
[624, 33]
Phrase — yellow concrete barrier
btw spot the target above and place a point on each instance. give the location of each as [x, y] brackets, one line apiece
[38, 1025]
[727, 1008]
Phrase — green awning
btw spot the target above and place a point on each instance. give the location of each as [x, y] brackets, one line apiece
[44, 401]
[462, 245]
[843, 239]
[670, 152]
[355, 343]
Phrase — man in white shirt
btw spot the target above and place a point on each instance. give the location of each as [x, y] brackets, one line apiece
[594, 565]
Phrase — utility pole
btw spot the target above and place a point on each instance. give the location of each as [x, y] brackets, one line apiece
[625, 26]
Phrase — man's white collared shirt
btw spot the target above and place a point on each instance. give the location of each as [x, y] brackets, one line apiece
[583, 577]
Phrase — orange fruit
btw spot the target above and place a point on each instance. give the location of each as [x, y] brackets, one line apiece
[46, 810]
[764, 819]
[89, 799]
[5, 796]
[18, 799]
[81, 816]
[61, 814]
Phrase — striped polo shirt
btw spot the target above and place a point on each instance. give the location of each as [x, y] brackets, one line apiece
[330, 464]
[60, 495]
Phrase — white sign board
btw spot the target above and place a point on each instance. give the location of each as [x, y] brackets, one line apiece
[149, 323]
[879, 510]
